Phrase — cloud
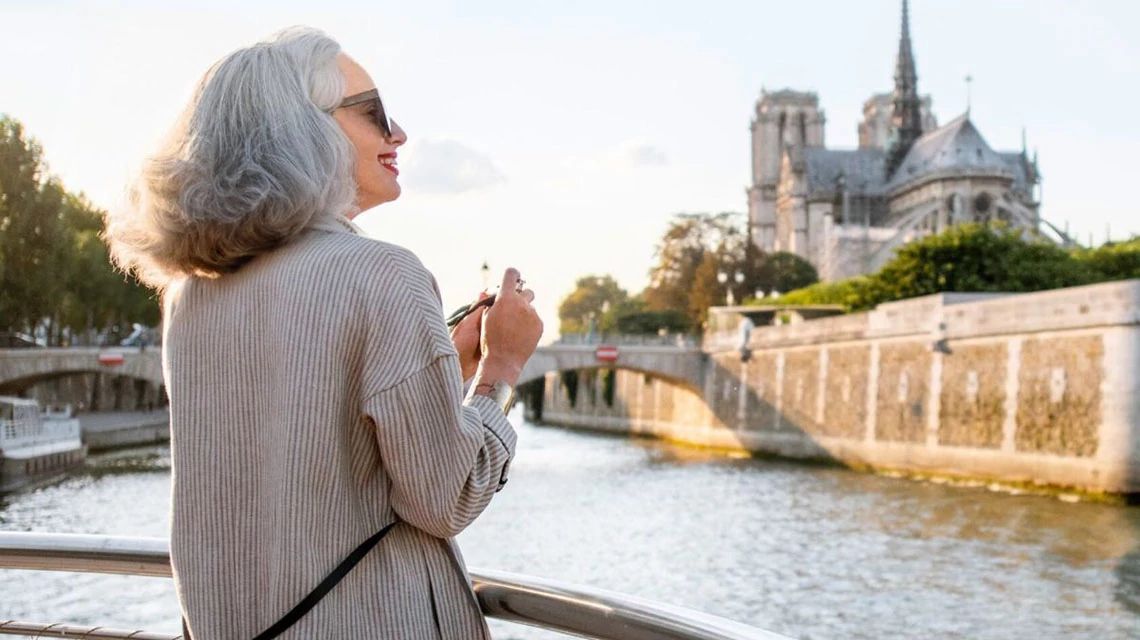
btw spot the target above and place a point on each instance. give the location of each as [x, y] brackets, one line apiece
[645, 155]
[448, 167]
[631, 154]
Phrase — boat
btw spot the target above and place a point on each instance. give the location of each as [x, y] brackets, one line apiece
[36, 445]
[548, 604]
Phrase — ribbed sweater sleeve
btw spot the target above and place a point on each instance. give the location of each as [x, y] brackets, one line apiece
[445, 459]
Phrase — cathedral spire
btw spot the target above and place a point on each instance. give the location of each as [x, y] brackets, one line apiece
[906, 119]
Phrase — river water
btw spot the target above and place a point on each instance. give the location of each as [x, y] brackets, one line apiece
[811, 552]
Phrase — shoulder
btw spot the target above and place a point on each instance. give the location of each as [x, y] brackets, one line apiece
[372, 267]
[357, 252]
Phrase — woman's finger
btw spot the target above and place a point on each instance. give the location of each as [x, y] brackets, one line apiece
[528, 295]
[511, 279]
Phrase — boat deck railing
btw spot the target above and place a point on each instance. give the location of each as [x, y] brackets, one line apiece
[539, 602]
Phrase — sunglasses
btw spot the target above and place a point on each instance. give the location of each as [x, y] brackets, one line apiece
[376, 110]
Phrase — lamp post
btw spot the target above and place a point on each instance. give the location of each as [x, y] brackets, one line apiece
[722, 278]
[486, 271]
[605, 312]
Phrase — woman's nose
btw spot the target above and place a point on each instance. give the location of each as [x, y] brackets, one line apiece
[399, 136]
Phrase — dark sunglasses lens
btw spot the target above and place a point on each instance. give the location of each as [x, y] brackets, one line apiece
[382, 119]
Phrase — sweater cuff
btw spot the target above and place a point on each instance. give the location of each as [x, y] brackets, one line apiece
[496, 422]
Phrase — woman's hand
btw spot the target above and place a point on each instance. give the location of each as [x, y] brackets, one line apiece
[465, 336]
[511, 330]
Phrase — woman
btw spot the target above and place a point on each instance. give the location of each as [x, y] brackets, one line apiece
[316, 396]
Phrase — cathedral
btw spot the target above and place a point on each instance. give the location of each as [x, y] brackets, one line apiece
[847, 210]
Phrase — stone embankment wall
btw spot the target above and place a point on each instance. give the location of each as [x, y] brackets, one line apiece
[1039, 388]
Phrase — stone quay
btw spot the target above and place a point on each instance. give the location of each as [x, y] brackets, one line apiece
[1036, 389]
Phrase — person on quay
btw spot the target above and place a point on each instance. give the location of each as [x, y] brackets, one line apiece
[317, 401]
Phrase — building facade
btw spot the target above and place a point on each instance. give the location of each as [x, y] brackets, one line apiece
[847, 210]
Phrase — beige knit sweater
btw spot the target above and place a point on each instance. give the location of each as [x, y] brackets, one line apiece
[315, 397]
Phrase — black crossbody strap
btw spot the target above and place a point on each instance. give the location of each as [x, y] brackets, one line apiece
[322, 589]
[326, 585]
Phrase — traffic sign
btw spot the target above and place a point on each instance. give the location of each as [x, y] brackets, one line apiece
[606, 353]
[110, 359]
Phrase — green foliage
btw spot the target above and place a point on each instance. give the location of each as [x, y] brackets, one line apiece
[782, 271]
[704, 291]
[698, 248]
[975, 258]
[594, 304]
[1113, 260]
[651, 322]
[55, 275]
[684, 249]
[852, 293]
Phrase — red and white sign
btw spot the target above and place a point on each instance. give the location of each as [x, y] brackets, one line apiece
[110, 359]
[606, 353]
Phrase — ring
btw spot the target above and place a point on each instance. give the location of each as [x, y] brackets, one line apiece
[519, 287]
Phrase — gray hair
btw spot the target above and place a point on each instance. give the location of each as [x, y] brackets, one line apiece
[253, 160]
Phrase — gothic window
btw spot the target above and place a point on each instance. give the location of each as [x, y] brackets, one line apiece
[982, 203]
[956, 208]
[803, 129]
[983, 208]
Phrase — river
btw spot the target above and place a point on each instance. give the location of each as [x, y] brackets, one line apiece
[808, 551]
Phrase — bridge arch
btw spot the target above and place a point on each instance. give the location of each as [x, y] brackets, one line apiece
[680, 366]
[124, 379]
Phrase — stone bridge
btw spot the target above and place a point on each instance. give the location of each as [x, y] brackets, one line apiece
[683, 364]
[22, 368]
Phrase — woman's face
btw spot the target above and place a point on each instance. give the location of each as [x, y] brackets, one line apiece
[376, 170]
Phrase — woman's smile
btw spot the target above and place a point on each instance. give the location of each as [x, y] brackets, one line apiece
[388, 161]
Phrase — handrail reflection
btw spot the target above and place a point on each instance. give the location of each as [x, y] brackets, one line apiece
[588, 612]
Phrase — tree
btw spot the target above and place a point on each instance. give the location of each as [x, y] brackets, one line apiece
[705, 290]
[30, 211]
[593, 304]
[783, 271]
[55, 275]
[682, 249]
[697, 248]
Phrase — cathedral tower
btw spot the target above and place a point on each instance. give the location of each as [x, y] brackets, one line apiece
[783, 119]
[906, 118]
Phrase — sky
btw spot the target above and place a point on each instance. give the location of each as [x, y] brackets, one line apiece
[559, 137]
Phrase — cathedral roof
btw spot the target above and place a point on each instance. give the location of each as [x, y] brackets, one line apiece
[954, 149]
[1024, 173]
[862, 170]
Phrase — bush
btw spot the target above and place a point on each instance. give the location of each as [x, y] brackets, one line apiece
[975, 258]
[852, 293]
[978, 258]
[1113, 260]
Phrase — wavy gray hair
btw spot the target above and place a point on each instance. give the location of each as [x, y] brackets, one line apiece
[254, 158]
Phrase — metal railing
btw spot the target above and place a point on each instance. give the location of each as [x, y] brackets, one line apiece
[584, 611]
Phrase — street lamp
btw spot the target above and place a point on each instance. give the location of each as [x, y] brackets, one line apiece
[605, 312]
[486, 271]
[722, 278]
